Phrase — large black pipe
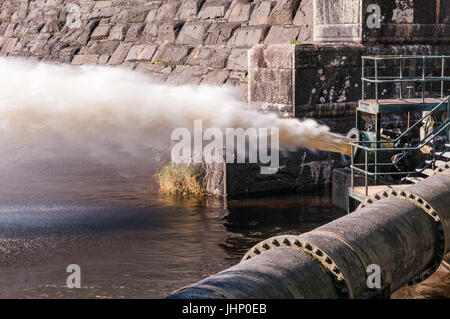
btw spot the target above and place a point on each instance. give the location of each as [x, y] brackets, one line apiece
[403, 232]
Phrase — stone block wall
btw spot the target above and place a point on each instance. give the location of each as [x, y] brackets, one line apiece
[324, 80]
[178, 41]
[398, 21]
[303, 170]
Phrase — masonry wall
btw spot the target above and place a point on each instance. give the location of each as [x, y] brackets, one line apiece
[180, 42]
[400, 21]
[324, 80]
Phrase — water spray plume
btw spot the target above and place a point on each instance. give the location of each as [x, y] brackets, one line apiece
[50, 110]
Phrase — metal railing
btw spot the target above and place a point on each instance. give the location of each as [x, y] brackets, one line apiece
[377, 79]
[361, 145]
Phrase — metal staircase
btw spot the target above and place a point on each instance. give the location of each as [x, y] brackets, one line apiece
[440, 157]
[431, 167]
[438, 160]
[389, 162]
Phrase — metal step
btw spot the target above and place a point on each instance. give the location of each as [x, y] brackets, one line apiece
[427, 171]
[414, 180]
[446, 155]
[438, 163]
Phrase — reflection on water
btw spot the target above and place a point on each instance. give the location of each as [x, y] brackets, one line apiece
[253, 220]
[129, 241]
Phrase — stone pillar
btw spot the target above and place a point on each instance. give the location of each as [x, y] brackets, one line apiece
[305, 80]
[272, 77]
[337, 21]
[382, 21]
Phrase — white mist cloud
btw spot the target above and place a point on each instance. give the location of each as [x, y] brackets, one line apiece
[49, 110]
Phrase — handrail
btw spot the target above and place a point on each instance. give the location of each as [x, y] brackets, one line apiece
[393, 163]
[404, 57]
[445, 125]
[366, 171]
[387, 80]
[383, 79]
[446, 100]
[403, 152]
[408, 150]
[434, 160]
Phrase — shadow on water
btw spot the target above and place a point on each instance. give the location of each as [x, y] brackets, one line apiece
[253, 220]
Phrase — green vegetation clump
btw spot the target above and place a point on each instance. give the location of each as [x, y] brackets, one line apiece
[157, 62]
[179, 179]
[295, 42]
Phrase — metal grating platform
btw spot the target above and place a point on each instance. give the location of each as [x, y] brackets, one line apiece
[398, 105]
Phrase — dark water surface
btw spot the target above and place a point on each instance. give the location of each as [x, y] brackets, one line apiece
[129, 241]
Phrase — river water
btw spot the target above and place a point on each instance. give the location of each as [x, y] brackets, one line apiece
[129, 241]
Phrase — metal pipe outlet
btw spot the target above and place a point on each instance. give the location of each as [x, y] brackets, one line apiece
[402, 233]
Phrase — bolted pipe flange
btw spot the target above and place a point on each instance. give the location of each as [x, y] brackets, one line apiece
[402, 194]
[428, 209]
[295, 242]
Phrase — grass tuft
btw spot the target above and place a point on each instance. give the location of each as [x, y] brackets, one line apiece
[179, 179]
